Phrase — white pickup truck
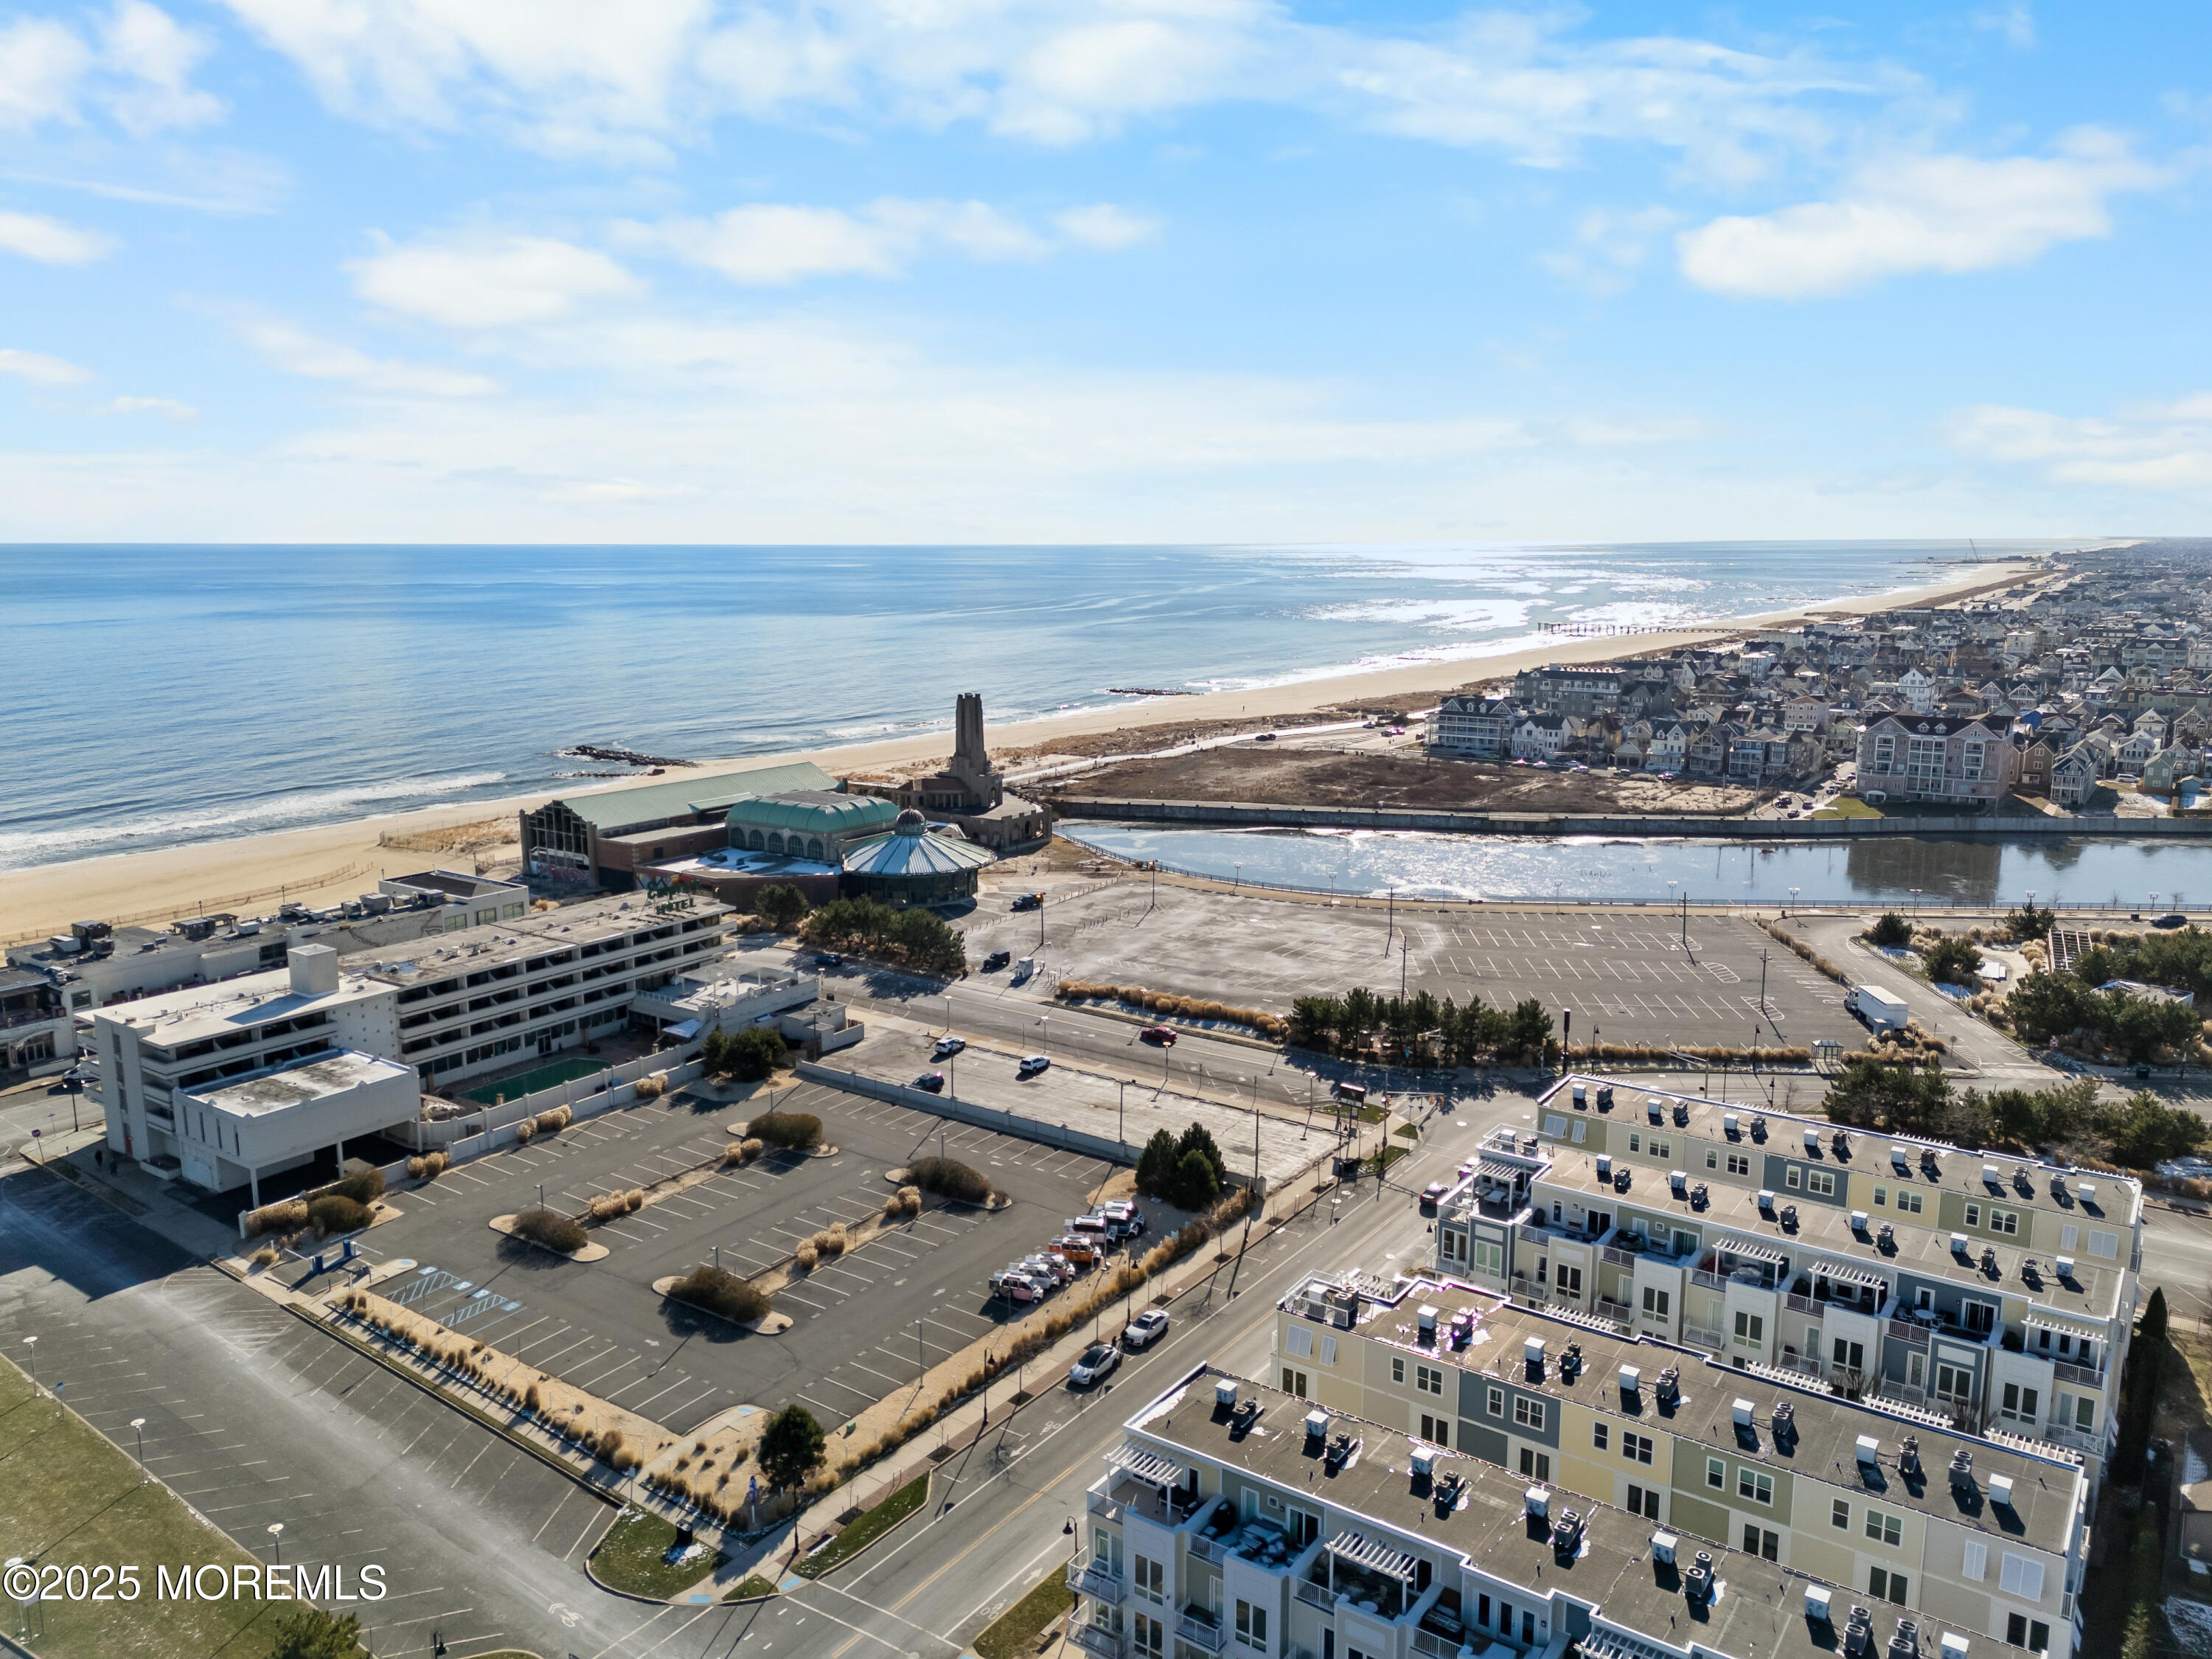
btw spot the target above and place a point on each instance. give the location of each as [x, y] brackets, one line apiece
[1883, 1010]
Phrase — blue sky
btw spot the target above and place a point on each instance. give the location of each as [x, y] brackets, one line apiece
[1123, 269]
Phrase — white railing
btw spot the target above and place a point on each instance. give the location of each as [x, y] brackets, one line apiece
[1097, 1639]
[1100, 1584]
[1195, 1631]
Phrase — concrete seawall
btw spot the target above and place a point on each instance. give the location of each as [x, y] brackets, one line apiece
[1248, 815]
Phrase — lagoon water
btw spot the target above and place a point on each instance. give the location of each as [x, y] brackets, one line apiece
[162, 695]
[2083, 872]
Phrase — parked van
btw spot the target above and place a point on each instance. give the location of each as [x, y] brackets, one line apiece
[1883, 1010]
[1091, 1226]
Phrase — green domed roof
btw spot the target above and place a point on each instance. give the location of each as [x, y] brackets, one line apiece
[814, 811]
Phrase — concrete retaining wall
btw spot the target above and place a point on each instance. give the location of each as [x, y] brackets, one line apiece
[982, 1117]
[1242, 814]
[464, 1138]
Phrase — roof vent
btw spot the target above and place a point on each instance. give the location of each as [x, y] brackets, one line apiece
[2001, 1490]
[1816, 1604]
[1631, 1378]
[1662, 1548]
[1869, 1451]
[1224, 1392]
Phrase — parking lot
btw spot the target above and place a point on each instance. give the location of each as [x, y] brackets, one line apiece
[1627, 974]
[864, 1325]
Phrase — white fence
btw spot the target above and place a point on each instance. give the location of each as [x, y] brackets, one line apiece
[480, 1132]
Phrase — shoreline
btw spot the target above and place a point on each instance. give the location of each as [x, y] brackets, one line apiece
[325, 862]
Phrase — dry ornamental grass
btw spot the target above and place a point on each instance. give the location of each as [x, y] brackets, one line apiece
[1162, 1002]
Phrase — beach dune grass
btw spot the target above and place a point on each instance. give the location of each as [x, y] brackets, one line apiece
[69, 1498]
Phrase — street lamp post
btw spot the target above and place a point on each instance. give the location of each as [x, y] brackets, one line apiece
[1916, 903]
[276, 1543]
[31, 1343]
[138, 1424]
[1238, 885]
[1121, 1107]
[1793, 899]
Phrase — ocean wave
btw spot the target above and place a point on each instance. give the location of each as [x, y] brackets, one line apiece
[27, 847]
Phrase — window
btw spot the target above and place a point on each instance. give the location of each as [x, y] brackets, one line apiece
[1490, 1258]
[1428, 1379]
[1660, 1148]
[1297, 1342]
[1820, 1183]
[1455, 1245]
[1643, 1501]
[1436, 1430]
[1496, 1403]
[1601, 1437]
[1636, 1142]
[1762, 1542]
[1397, 1370]
[1151, 1636]
[2085, 1414]
[1754, 1484]
[1716, 1474]
[1885, 1530]
[1555, 1126]
[1750, 1329]
[1567, 1280]
[2104, 1243]
[2004, 1221]
[1251, 1625]
[1850, 1356]
[1954, 1382]
[1887, 1586]
[1973, 1215]
[1910, 1203]
[1881, 1196]
[1529, 1413]
[2018, 1403]
[1294, 1382]
[1977, 1559]
[2023, 1633]
[1793, 1177]
[1739, 1164]
[1535, 1465]
[1656, 1302]
[2021, 1576]
[1636, 1448]
[1328, 1351]
[1713, 1158]
[1150, 1579]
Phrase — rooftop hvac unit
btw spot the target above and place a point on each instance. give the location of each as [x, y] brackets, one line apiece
[1957, 1243]
[1840, 1143]
[1425, 1460]
[2001, 1490]
[1533, 1351]
[1990, 1177]
[1905, 1643]
[1767, 1200]
[1426, 1326]
[1790, 1215]
[1816, 1604]
[2086, 1192]
[1785, 1418]
[1654, 1108]
[1758, 1126]
[1812, 1143]
[1682, 1114]
[1869, 1451]
[1224, 1392]
[1605, 1166]
[1317, 1424]
[1858, 1221]
[1668, 1384]
[1679, 1181]
[1581, 1100]
[1662, 1548]
[1742, 1413]
[1899, 1159]
[1539, 1502]
[1730, 1125]
[2066, 1267]
[1631, 1378]
[1908, 1456]
[1954, 1645]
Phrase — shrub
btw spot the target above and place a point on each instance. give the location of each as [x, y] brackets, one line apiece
[950, 1178]
[634, 1199]
[526, 1132]
[552, 1122]
[1890, 929]
[791, 1447]
[264, 1257]
[791, 1131]
[806, 1257]
[550, 1229]
[311, 1633]
[754, 1053]
[720, 1291]
[607, 1206]
[650, 1087]
[429, 1167]
[286, 1215]
[364, 1187]
[334, 1213]
[830, 1242]
[780, 905]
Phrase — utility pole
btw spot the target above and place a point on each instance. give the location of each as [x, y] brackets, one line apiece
[1405, 950]
[1762, 983]
[1390, 926]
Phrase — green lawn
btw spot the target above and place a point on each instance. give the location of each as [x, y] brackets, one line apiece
[550, 1075]
[1848, 806]
[1383, 1159]
[1015, 1632]
[871, 1526]
[67, 1497]
[1410, 1131]
[630, 1558]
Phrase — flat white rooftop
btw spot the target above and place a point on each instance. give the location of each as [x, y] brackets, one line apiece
[169, 1018]
[300, 1085]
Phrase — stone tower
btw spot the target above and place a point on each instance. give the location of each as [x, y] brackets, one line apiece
[971, 763]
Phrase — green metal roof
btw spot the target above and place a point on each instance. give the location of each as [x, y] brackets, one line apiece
[612, 811]
[820, 812]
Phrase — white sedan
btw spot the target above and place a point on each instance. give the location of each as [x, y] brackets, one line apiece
[1096, 1364]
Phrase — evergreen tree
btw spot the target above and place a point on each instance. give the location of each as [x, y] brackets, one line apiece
[1156, 1164]
[1197, 1183]
[1195, 1139]
[791, 1447]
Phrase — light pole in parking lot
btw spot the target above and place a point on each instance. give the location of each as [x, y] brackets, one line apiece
[138, 1426]
[32, 1344]
[1119, 1108]
[276, 1543]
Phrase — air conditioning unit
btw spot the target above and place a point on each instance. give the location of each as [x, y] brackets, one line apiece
[1869, 1451]
[1743, 1413]
[1816, 1604]
[1539, 1502]
[1225, 1393]
[1631, 1378]
[1662, 1548]
[2001, 1490]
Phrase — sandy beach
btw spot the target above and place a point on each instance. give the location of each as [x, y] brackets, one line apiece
[331, 862]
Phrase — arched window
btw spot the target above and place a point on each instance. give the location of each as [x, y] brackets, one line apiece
[814, 851]
[759, 841]
[775, 840]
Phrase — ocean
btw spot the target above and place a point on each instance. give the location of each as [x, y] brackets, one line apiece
[159, 696]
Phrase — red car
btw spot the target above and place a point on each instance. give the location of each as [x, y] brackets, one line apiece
[1164, 1035]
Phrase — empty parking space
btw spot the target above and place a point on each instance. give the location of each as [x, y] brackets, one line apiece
[864, 1325]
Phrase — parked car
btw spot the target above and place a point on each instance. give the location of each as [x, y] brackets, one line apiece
[828, 960]
[947, 1046]
[1079, 1248]
[1029, 901]
[1122, 1213]
[1011, 1285]
[1147, 1328]
[1058, 1269]
[931, 1081]
[1161, 1036]
[997, 960]
[1094, 1226]
[1094, 1365]
[1031, 1065]
[1432, 1195]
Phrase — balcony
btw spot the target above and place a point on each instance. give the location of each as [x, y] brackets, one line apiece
[1209, 1549]
[1618, 1312]
[1316, 1595]
[1097, 1639]
[1907, 1332]
[1100, 1505]
[1200, 1630]
[1702, 1337]
[1708, 1281]
[2080, 1377]
[1097, 1581]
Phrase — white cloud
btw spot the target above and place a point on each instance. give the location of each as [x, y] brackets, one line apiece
[1951, 214]
[40, 369]
[168, 408]
[2015, 22]
[575, 76]
[489, 282]
[1104, 226]
[1609, 247]
[296, 351]
[50, 242]
[140, 70]
[2156, 446]
[774, 244]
